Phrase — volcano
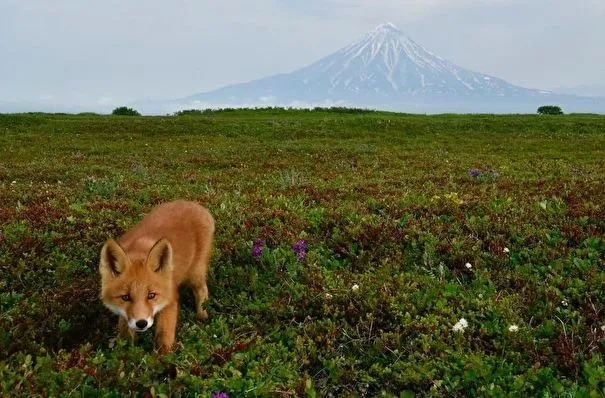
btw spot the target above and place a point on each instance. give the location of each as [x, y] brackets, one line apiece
[385, 69]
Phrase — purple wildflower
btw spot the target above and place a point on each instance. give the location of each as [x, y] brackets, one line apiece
[219, 395]
[474, 173]
[257, 247]
[300, 247]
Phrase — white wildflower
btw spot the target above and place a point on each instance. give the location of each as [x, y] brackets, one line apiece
[468, 265]
[460, 325]
[564, 303]
[328, 296]
[505, 250]
[513, 328]
[355, 287]
[603, 328]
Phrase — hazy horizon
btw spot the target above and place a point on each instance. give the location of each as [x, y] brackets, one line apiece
[104, 54]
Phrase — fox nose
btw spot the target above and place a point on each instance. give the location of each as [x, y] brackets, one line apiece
[141, 323]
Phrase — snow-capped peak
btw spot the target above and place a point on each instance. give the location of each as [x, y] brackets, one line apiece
[386, 26]
[388, 40]
[386, 61]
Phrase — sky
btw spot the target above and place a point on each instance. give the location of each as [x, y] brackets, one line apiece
[105, 53]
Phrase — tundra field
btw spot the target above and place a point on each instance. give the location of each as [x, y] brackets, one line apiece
[356, 253]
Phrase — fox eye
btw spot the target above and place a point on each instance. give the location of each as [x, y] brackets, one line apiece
[150, 296]
[125, 297]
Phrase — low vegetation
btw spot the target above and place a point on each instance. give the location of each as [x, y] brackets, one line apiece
[357, 254]
[274, 110]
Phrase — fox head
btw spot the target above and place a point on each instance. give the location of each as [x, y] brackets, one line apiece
[136, 290]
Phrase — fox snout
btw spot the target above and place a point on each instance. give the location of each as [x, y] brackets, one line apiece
[140, 325]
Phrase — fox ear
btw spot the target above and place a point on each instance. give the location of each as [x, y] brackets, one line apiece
[160, 256]
[113, 259]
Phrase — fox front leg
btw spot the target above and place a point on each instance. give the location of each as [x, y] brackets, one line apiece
[166, 328]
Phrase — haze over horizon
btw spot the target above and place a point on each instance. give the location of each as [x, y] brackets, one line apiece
[104, 54]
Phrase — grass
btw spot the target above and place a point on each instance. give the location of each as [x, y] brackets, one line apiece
[390, 215]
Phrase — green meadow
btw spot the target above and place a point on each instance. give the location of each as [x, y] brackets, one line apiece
[448, 255]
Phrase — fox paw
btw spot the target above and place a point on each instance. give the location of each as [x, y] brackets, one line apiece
[202, 315]
[165, 348]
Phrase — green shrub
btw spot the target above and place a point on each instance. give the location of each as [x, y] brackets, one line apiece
[125, 111]
[550, 110]
[190, 112]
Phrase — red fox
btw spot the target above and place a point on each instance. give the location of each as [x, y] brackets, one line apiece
[142, 271]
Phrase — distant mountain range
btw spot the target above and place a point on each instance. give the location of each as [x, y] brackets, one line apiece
[586, 90]
[384, 69]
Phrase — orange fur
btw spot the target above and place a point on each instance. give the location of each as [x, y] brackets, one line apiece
[142, 272]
